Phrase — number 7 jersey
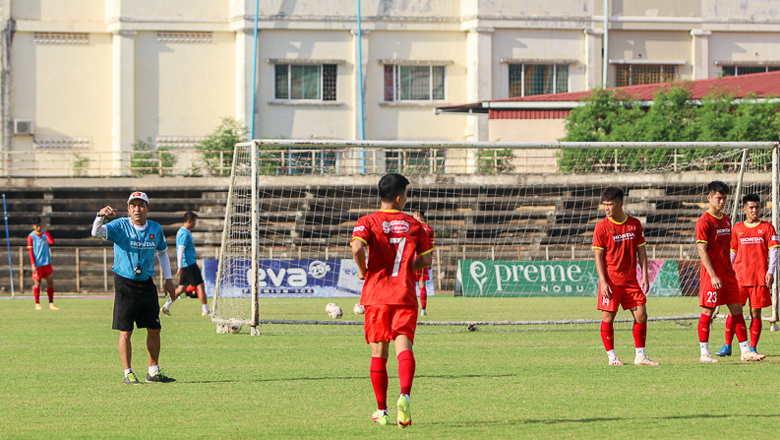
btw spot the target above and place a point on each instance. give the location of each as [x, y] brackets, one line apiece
[393, 239]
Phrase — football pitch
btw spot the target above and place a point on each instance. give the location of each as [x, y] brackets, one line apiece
[61, 378]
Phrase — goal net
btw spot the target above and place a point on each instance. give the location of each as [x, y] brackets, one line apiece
[513, 222]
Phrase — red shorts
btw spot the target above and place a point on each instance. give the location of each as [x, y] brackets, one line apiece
[760, 296]
[626, 296]
[385, 322]
[43, 272]
[709, 297]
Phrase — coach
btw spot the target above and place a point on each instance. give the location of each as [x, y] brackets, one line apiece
[136, 240]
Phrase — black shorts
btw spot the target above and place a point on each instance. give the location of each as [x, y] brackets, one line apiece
[191, 276]
[135, 302]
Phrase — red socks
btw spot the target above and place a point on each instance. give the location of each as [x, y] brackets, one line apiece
[640, 334]
[729, 330]
[50, 292]
[37, 294]
[423, 295]
[755, 332]
[406, 367]
[704, 328]
[608, 335]
[738, 322]
[379, 381]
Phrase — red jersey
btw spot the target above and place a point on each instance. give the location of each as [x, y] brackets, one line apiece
[752, 244]
[620, 242]
[716, 232]
[393, 240]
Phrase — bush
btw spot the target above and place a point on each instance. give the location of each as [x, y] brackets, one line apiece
[147, 159]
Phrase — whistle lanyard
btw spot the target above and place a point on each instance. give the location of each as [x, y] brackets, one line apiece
[141, 236]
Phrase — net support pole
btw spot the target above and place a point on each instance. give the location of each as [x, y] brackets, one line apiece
[738, 189]
[255, 251]
[8, 245]
[225, 226]
[775, 214]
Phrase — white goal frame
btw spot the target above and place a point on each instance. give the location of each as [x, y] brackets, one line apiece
[360, 147]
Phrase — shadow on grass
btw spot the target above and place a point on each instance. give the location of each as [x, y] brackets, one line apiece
[301, 379]
[472, 423]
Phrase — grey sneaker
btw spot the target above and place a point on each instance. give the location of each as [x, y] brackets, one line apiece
[159, 378]
[131, 379]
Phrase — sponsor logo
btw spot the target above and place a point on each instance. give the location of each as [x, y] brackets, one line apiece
[552, 277]
[751, 240]
[623, 237]
[395, 226]
[144, 245]
[318, 269]
[723, 231]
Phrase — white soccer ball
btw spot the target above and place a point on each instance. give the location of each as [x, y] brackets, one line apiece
[229, 328]
[334, 311]
[359, 309]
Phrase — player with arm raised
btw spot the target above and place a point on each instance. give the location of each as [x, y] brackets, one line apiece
[392, 238]
[718, 282]
[618, 243]
[38, 243]
[425, 274]
[754, 247]
[136, 241]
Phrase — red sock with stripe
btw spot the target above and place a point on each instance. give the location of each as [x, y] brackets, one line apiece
[740, 328]
[704, 328]
[37, 294]
[608, 335]
[423, 295]
[406, 366]
[640, 334]
[379, 381]
[755, 332]
[729, 330]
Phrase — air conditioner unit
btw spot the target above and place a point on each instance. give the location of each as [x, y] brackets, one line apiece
[24, 126]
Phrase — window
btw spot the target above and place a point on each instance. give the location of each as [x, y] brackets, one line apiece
[636, 74]
[414, 83]
[744, 70]
[537, 79]
[305, 81]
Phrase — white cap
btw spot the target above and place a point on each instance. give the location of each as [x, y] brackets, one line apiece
[138, 195]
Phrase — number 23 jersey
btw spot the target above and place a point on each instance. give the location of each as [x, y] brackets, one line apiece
[393, 239]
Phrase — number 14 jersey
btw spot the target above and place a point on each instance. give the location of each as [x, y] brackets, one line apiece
[393, 239]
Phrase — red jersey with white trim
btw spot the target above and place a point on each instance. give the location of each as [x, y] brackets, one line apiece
[393, 240]
[716, 232]
[752, 244]
[620, 242]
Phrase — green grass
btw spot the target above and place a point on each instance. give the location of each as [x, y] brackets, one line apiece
[61, 378]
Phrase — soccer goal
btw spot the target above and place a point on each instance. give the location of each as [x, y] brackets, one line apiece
[513, 224]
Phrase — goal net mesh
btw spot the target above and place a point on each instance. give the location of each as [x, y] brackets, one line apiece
[513, 223]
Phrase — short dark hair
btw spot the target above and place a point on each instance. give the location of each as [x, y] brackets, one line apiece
[391, 186]
[716, 186]
[36, 220]
[419, 211]
[612, 194]
[189, 216]
[751, 198]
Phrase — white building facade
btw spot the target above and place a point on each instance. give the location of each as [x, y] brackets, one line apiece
[95, 76]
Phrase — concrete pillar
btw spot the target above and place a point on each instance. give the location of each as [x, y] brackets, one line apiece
[361, 93]
[123, 127]
[593, 57]
[479, 82]
[5, 84]
[245, 45]
[700, 56]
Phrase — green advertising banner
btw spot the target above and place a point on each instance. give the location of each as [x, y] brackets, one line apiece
[553, 278]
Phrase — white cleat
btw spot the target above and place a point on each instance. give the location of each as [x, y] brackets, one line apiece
[645, 361]
[752, 356]
[424, 312]
[614, 361]
[707, 358]
[165, 311]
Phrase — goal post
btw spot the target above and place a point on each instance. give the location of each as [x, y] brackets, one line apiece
[510, 209]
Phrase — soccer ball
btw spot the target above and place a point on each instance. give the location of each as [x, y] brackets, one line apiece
[233, 328]
[358, 309]
[334, 311]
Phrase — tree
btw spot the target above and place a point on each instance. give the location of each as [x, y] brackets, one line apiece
[147, 159]
[218, 147]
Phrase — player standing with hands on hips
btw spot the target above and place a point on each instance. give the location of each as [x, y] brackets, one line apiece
[136, 241]
[392, 239]
[38, 244]
[754, 257]
[618, 242]
[718, 281]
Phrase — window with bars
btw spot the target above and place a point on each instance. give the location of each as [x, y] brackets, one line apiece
[305, 81]
[637, 74]
[537, 79]
[745, 70]
[414, 83]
